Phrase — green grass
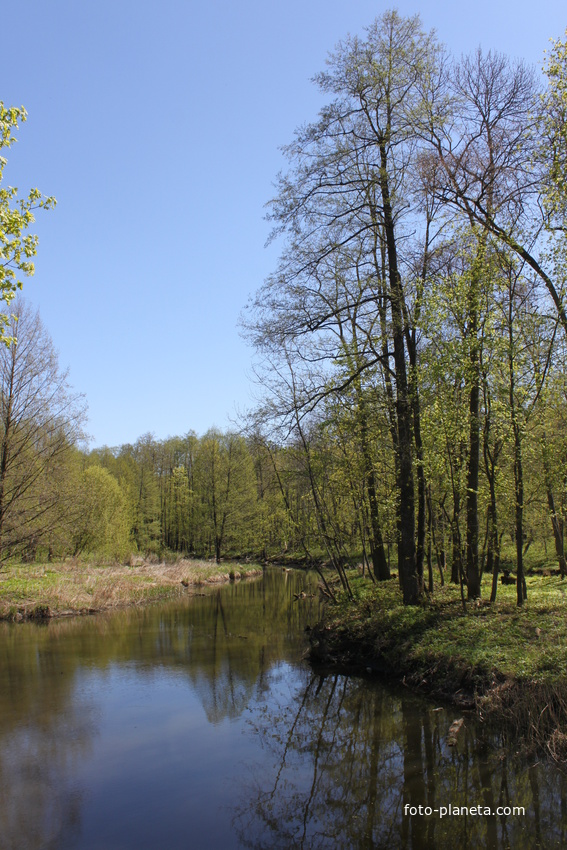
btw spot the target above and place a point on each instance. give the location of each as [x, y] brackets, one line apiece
[529, 642]
[507, 662]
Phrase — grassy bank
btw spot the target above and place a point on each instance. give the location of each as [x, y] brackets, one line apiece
[36, 591]
[507, 664]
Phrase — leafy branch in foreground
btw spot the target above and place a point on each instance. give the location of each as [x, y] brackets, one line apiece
[17, 245]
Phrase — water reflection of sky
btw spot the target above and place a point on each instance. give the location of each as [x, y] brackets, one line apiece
[196, 725]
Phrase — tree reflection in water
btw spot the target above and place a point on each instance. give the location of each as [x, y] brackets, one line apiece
[223, 686]
[201, 711]
[349, 756]
[222, 645]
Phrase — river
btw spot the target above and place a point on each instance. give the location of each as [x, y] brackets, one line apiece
[196, 724]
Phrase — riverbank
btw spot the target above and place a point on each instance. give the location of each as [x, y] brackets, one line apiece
[508, 665]
[40, 591]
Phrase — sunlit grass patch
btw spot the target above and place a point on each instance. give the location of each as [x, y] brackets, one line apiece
[71, 587]
[465, 654]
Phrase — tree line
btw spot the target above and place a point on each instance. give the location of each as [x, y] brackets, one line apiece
[322, 488]
[419, 299]
[410, 345]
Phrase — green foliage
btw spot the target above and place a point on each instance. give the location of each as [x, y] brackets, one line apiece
[102, 526]
[553, 128]
[228, 492]
[17, 246]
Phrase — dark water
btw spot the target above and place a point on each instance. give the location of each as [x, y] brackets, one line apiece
[196, 725]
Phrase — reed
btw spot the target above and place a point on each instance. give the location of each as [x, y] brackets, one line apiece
[38, 591]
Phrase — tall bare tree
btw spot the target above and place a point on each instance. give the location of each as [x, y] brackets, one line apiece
[40, 422]
[352, 191]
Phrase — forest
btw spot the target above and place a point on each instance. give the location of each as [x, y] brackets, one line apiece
[409, 348]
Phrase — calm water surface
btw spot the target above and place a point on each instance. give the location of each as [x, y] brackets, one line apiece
[196, 724]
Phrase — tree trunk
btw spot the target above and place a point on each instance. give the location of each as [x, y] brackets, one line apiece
[521, 589]
[377, 551]
[493, 538]
[421, 483]
[412, 587]
[456, 547]
[473, 465]
[556, 523]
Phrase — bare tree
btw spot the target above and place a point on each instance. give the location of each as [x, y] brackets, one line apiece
[350, 211]
[40, 423]
[484, 170]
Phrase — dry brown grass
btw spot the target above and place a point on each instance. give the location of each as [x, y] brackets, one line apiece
[537, 709]
[50, 590]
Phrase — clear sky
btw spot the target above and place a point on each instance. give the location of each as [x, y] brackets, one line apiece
[157, 127]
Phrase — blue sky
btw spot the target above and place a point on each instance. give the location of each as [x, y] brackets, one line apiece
[157, 127]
